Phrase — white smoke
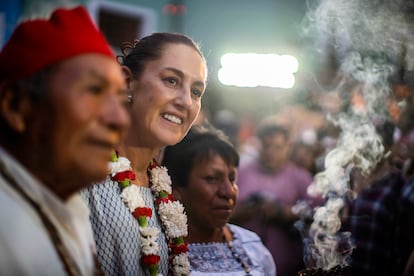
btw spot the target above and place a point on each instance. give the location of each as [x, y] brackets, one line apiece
[359, 147]
[370, 41]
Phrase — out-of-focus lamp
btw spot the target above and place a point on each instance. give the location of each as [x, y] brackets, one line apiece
[251, 70]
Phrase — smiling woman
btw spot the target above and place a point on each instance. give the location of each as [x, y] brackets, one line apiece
[203, 168]
[138, 226]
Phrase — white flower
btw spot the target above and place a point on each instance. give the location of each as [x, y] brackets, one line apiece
[149, 236]
[174, 218]
[160, 180]
[122, 164]
[180, 264]
[132, 197]
[149, 246]
[149, 231]
[171, 214]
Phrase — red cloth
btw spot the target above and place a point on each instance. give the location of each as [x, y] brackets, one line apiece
[36, 44]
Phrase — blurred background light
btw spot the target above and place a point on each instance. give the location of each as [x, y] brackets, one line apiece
[252, 70]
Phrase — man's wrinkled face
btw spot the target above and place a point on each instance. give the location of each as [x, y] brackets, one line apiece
[82, 120]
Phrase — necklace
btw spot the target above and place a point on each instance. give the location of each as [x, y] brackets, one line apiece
[170, 211]
[227, 239]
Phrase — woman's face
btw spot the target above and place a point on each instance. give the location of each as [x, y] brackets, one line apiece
[166, 99]
[210, 194]
[83, 119]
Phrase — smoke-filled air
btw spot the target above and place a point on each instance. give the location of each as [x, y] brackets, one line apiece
[371, 42]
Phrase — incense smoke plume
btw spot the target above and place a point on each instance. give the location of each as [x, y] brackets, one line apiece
[371, 42]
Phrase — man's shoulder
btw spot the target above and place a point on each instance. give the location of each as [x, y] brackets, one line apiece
[20, 222]
[22, 237]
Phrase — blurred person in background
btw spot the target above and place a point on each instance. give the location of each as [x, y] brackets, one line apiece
[249, 144]
[62, 110]
[203, 168]
[373, 217]
[228, 122]
[304, 155]
[305, 151]
[138, 226]
[404, 149]
[405, 230]
[269, 186]
[403, 153]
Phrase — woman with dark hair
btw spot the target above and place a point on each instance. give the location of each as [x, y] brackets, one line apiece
[138, 226]
[203, 169]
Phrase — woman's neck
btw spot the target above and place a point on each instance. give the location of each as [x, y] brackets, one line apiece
[203, 235]
[140, 158]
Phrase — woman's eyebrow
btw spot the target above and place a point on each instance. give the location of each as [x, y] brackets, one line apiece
[181, 75]
[176, 71]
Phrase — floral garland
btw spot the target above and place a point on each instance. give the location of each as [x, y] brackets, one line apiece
[171, 213]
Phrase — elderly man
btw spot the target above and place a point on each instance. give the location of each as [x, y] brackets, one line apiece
[62, 97]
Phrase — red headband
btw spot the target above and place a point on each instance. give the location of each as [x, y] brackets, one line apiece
[36, 44]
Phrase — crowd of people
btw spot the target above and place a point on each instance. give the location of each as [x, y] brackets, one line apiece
[106, 168]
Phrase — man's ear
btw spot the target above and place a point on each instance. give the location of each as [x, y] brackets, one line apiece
[14, 108]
